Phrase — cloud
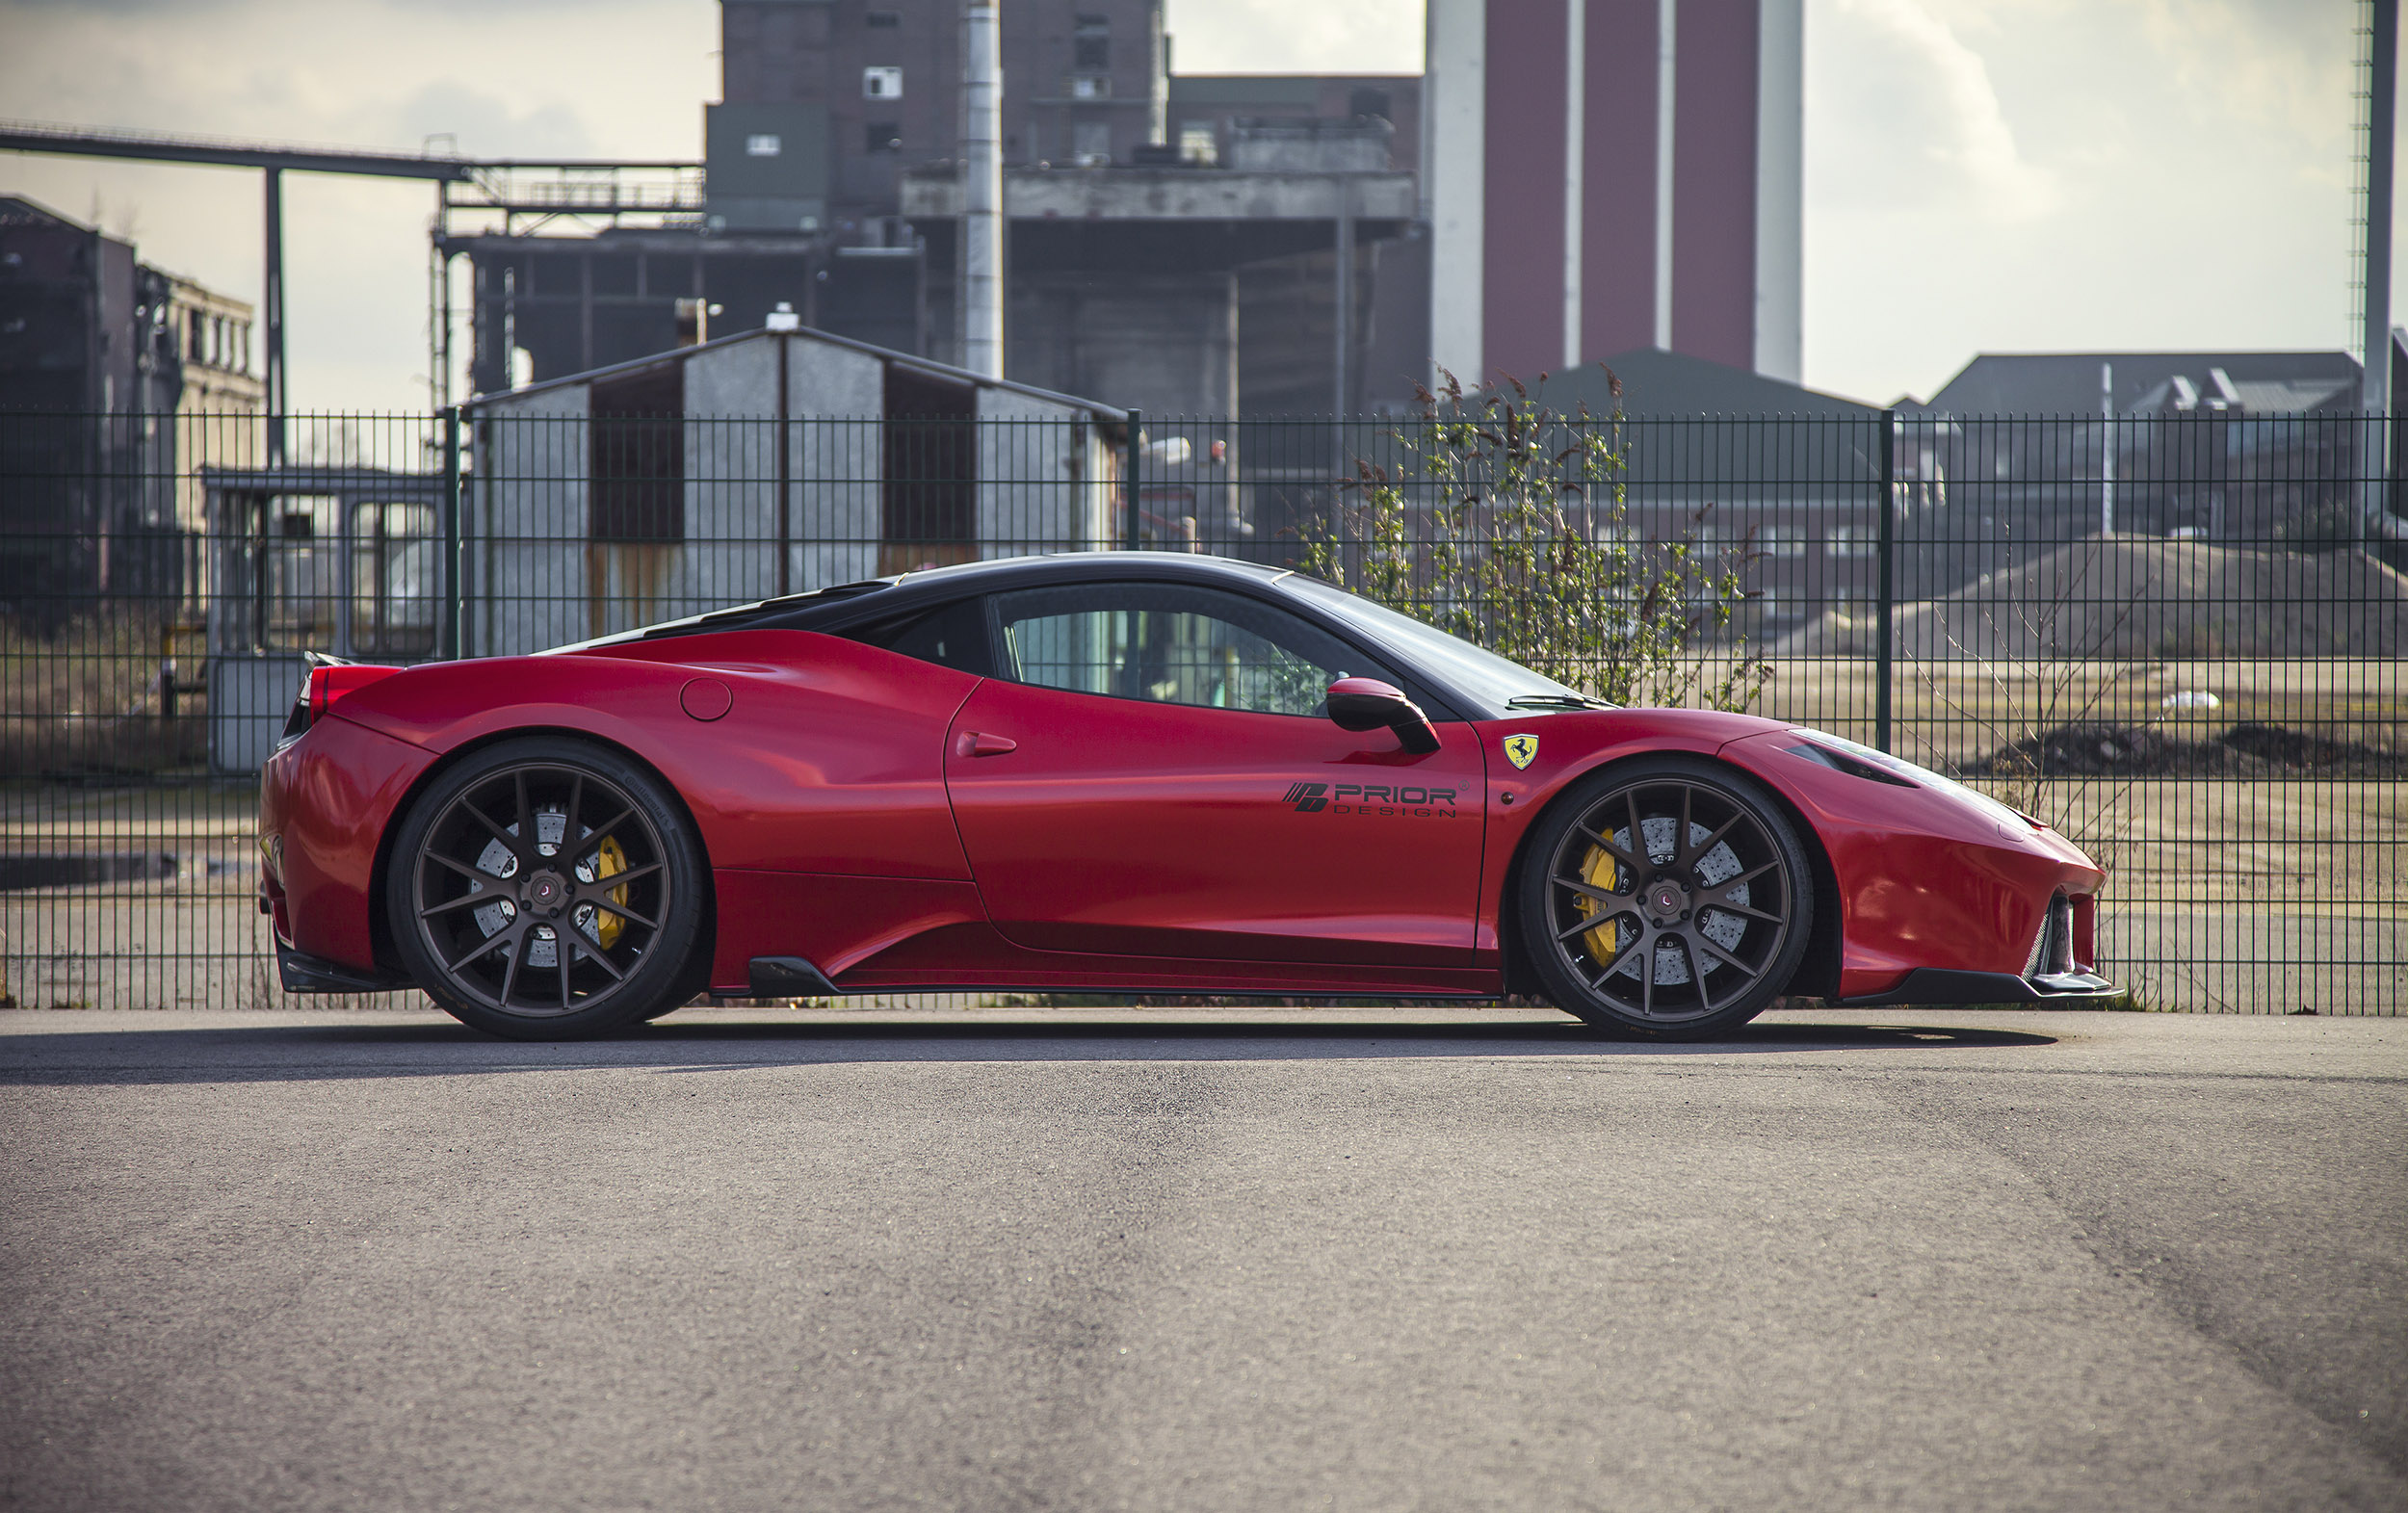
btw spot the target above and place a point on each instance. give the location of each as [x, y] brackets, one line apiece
[1925, 127]
[1295, 36]
[485, 126]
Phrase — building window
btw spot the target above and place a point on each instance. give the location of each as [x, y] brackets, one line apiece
[1198, 143]
[1369, 102]
[636, 479]
[1092, 144]
[762, 144]
[882, 22]
[882, 83]
[883, 136]
[1782, 540]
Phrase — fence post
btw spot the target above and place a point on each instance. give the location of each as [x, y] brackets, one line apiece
[1131, 528]
[455, 550]
[1885, 649]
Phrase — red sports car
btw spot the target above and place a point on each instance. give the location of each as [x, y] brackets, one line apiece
[1118, 772]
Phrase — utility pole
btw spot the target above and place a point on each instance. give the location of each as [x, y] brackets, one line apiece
[982, 189]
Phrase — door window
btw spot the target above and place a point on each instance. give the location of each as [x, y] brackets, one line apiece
[1167, 643]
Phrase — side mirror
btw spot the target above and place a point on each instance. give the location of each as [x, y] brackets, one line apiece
[1369, 704]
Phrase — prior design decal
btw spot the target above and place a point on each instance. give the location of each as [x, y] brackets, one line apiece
[1521, 750]
[1395, 799]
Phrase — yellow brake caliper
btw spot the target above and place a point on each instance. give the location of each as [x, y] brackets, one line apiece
[1599, 869]
[609, 862]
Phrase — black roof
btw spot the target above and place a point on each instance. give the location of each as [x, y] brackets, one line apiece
[880, 598]
[2067, 384]
[1658, 382]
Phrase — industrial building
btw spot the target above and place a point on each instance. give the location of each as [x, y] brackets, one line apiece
[1612, 174]
[121, 381]
[1173, 241]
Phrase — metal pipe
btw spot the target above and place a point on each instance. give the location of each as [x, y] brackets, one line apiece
[1343, 296]
[1885, 649]
[982, 189]
[1132, 452]
[271, 311]
[2106, 448]
[2383, 82]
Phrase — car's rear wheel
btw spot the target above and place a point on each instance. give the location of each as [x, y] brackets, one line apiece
[546, 889]
[1667, 897]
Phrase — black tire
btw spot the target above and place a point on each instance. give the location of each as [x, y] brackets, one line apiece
[556, 949]
[1704, 933]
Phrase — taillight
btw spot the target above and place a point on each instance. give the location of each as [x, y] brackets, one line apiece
[327, 684]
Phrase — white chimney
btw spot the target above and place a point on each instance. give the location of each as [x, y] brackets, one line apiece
[981, 187]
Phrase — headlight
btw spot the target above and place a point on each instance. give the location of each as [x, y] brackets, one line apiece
[1921, 777]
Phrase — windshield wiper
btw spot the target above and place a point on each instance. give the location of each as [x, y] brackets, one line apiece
[1556, 702]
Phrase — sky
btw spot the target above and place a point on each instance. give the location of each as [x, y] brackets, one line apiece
[1981, 175]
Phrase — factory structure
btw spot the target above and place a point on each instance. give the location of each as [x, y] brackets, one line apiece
[1192, 244]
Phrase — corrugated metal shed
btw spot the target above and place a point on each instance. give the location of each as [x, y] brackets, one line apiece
[770, 462]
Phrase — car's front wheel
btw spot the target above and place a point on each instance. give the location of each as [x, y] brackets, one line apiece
[546, 889]
[1667, 897]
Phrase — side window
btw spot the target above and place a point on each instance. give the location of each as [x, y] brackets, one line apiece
[1169, 644]
[952, 636]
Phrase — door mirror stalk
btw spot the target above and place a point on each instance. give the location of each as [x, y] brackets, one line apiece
[1369, 704]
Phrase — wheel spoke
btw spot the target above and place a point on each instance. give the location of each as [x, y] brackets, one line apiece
[1680, 837]
[1589, 891]
[593, 892]
[507, 935]
[1696, 968]
[1607, 844]
[595, 956]
[1719, 954]
[464, 900]
[1597, 921]
[576, 797]
[526, 815]
[623, 912]
[1619, 957]
[603, 832]
[509, 841]
[1638, 830]
[510, 973]
[1728, 884]
[1720, 908]
[474, 874]
[1646, 975]
[1689, 854]
[566, 960]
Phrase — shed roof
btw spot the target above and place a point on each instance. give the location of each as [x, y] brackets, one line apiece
[1660, 382]
[808, 334]
[2067, 384]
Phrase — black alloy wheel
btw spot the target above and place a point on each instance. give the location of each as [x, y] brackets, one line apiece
[548, 890]
[1667, 897]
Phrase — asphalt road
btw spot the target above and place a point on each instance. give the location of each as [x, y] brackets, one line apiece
[1406, 1259]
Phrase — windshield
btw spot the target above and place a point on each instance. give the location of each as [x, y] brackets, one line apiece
[1481, 674]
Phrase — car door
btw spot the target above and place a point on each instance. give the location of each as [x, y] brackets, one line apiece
[1150, 773]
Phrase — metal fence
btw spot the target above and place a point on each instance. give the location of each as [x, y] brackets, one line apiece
[2178, 636]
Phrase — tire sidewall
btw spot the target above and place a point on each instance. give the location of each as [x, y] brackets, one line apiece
[1534, 905]
[660, 982]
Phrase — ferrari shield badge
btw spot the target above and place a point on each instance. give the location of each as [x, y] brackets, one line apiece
[1521, 750]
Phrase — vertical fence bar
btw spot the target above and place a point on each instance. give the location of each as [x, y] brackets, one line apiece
[1885, 645]
[455, 549]
[1132, 528]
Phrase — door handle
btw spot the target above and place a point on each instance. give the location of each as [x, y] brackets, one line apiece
[976, 743]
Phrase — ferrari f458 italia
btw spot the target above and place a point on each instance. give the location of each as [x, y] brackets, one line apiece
[1118, 772]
